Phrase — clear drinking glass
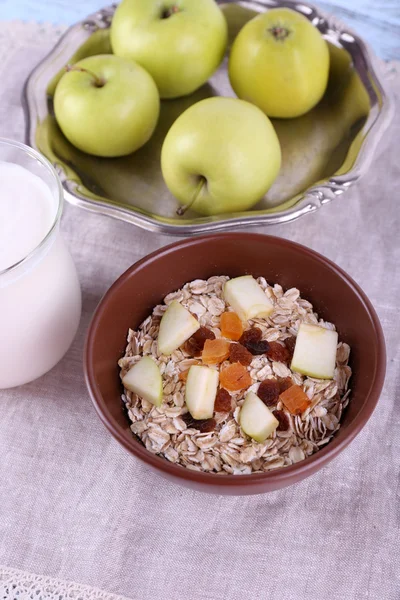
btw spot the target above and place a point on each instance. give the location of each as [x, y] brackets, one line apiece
[40, 296]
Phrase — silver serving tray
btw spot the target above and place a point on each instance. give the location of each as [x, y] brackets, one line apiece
[324, 152]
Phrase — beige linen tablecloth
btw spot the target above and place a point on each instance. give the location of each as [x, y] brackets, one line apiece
[75, 506]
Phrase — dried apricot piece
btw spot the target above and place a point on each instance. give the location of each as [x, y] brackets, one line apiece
[223, 402]
[238, 353]
[283, 420]
[215, 351]
[268, 392]
[231, 326]
[235, 377]
[295, 400]
[277, 352]
[195, 344]
[204, 425]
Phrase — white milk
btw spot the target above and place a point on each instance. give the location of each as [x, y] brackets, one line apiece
[40, 300]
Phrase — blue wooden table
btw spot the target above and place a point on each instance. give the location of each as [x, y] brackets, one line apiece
[377, 21]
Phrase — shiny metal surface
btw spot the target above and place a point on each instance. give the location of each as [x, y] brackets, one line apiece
[324, 152]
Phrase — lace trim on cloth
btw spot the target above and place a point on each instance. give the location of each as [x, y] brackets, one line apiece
[20, 585]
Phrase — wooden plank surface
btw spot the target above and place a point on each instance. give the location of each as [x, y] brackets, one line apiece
[377, 21]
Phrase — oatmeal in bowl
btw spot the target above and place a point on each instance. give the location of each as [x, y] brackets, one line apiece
[235, 376]
[237, 369]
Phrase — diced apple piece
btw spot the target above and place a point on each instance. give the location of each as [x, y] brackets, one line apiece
[256, 419]
[176, 326]
[144, 379]
[315, 351]
[247, 298]
[200, 392]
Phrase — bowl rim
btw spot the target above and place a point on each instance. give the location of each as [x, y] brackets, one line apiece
[276, 477]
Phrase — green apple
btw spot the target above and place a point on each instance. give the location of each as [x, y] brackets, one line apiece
[200, 391]
[221, 155]
[256, 419]
[176, 326]
[107, 106]
[280, 62]
[315, 351]
[97, 43]
[247, 298]
[179, 42]
[144, 379]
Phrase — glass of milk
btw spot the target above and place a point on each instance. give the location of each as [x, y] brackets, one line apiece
[40, 296]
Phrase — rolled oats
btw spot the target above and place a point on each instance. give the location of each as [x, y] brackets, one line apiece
[227, 450]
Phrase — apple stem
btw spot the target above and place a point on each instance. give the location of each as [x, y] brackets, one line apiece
[98, 81]
[279, 33]
[182, 209]
[168, 12]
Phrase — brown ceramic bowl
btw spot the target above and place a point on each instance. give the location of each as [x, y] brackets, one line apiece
[335, 296]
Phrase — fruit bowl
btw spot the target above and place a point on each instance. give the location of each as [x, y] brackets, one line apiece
[334, 295]
[325, 152]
